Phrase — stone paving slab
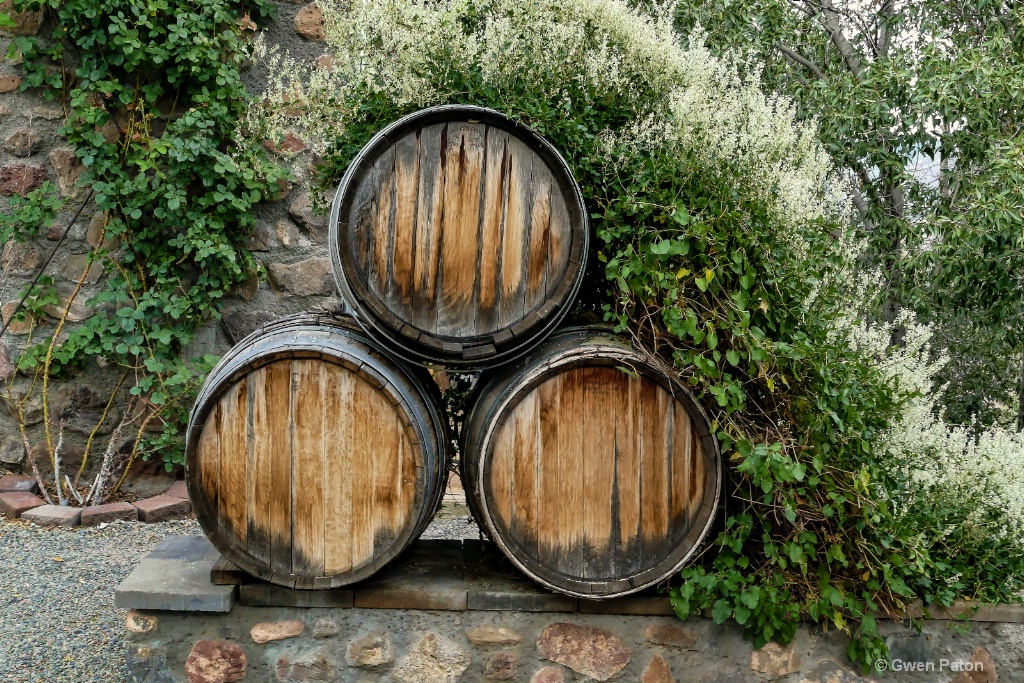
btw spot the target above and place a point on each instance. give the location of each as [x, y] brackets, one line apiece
[12, 483]
[17, 503]
[188, 548]
[176, 576]
[53, 515]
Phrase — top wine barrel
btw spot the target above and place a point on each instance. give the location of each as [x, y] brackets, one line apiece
[312, 457]
[459, 237]
[590, 466]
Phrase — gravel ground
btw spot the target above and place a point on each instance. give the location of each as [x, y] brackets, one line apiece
[452, 522]
[57, 618]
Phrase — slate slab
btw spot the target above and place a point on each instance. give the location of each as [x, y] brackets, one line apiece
[429, 575]
[176, 576]
[262, 594]
[494, 583]
[648, 602]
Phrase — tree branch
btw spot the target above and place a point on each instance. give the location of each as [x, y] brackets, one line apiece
[800, 59]
[828, 17]
[862, 208]
[885, 16]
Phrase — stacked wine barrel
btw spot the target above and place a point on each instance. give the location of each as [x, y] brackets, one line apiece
[318, 448]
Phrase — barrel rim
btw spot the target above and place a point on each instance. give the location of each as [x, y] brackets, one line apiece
[480, 351]
[237, 364]
[537, 372]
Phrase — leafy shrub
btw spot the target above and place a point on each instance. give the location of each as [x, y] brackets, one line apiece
[725, 248]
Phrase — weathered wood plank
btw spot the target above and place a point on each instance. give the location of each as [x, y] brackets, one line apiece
[208, 457]
[516, 235]
[226, 573]
[278, 437]
[682, 445]
[550, 504]
[572, 443]
[500, 492]
[407, 162]
[540, 231]
[627, 463]
[602, 391]
[364, 450]
[559, 241]
[379, 275]
[234, 413]
[463, 168]
[362, 217]
[258, 470]
[338, 465]
[429, 208]
[387, 473]
[524, 472]
[495, 193]
[412, 460]
[654, 483]
[308, 454]
[698, 476]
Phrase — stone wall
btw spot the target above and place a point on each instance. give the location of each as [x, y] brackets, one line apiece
[407, 646]
[289, 241]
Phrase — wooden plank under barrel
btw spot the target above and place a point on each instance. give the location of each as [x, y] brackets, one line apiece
[591, 466]
[313, 458]
[459, 237]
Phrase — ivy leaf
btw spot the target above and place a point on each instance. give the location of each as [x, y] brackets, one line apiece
[751, 597]
[721, 611]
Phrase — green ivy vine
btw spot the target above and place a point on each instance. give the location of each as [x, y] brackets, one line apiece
[152, 91]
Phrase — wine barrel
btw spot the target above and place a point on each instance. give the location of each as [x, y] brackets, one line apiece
[312, 457]
[459, 237]
[591, 466]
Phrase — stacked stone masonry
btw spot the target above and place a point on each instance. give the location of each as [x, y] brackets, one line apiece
[405, 646]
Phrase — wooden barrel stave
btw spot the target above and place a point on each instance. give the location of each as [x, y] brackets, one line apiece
[459, 237]
[278, 505]
[595, 482]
